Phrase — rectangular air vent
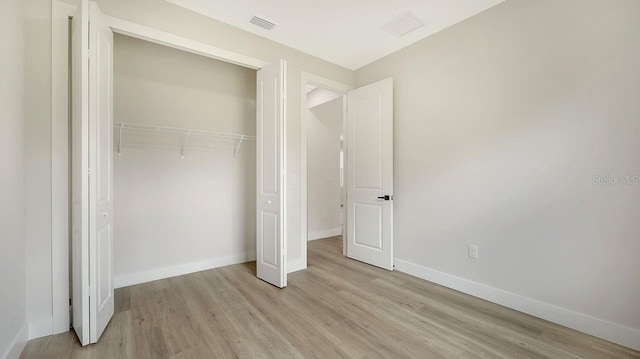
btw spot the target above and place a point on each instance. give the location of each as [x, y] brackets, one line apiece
[403, 24]
[265, 24]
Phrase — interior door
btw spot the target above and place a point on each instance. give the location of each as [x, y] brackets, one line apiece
[271, 170]
[79, 172]
[92, 173]
[101, 302]
[369, 179]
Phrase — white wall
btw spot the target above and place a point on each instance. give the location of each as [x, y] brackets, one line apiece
[501, 122]
[318, 96]
[37, 137]
[173, 214]
[60, 165]
[13, 328]
[323, 167]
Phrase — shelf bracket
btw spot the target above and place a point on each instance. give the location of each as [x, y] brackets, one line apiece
[235, 152]
[184, 145]
[120, 141]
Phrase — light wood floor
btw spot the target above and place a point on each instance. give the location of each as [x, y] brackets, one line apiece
[336, 308]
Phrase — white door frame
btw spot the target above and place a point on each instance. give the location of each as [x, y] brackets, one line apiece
[124, 27]
[60, 190]
[337, 87]
[59, 135]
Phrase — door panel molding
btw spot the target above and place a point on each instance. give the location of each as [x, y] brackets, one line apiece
[369, 180]
[271, 239]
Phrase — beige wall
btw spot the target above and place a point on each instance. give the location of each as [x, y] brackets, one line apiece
[12, 245]
[323, 168]
[37, 137]
[171, 211]
[320, 95]
[501, 122]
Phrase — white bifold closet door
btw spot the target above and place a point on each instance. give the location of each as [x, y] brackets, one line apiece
[369, 179]
[92, 173]
[271, 170]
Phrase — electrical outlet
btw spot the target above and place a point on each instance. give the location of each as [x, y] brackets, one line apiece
[473, 251]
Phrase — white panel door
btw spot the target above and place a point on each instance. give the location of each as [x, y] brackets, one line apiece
[101, 302]
[79, 172]
[92, 173]
[370, 174]
[270, 158]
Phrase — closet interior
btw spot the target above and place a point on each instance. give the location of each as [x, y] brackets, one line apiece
[185, 164]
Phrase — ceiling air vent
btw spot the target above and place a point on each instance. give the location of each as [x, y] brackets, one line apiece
[403, 24]
[265, 24]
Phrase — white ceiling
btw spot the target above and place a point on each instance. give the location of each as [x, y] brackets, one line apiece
[345, 32]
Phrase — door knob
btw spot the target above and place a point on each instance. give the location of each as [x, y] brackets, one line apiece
[386, 197]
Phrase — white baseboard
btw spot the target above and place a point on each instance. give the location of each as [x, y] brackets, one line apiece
[40, 328]
[17, 344]
[616, 333]
[181, 269]
[326, 233]
[296, 265]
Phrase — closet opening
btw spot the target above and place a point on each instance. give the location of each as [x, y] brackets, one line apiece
[185, 162]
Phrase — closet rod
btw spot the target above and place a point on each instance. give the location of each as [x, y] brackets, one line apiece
[185, 132]
[182, 131]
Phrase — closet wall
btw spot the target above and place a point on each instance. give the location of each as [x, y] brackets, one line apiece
[176, 215]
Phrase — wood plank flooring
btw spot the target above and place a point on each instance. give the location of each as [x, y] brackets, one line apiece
[337, 308]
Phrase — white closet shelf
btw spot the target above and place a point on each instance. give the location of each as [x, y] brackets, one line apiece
[185, 132]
